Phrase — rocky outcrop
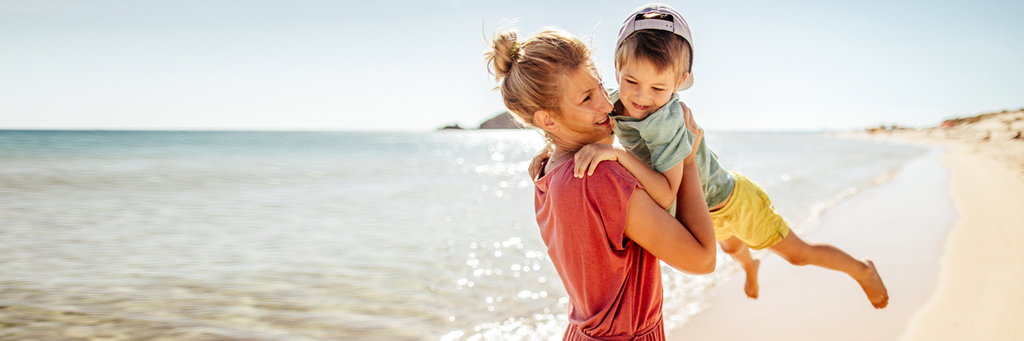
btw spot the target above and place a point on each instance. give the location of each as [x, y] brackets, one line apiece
[504, 120]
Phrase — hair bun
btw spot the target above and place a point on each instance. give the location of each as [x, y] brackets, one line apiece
[501, 56]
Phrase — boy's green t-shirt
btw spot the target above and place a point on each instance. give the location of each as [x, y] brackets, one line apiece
[662, 141]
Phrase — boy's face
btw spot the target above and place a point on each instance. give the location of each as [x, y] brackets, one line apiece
[643, 90]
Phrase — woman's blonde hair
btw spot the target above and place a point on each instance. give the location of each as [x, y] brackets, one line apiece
[530, 73]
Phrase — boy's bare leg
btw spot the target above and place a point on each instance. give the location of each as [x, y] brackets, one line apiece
[797, 252]
[739, 251]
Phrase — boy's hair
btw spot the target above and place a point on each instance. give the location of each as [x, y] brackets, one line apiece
[663, 49]
[658, 34]
[531, 73]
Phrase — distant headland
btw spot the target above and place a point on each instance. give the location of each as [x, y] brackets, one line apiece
[503, 120]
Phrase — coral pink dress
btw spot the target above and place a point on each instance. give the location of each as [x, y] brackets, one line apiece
[614, 285]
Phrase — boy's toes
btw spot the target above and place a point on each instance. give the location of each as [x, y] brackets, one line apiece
[881, 303]
[874, 287]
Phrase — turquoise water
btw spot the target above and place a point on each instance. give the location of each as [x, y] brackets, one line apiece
[326, 235]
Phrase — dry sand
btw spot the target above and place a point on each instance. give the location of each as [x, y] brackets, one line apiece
[979, 296]
[942, 234]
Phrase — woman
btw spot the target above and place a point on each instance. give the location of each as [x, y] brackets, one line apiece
[604, 233]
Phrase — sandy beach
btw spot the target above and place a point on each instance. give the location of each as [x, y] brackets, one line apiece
[940, 234]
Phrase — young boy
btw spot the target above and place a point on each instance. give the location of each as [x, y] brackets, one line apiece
[653, 60]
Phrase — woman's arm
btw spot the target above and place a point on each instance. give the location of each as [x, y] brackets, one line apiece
[692, 208]
[689, 247]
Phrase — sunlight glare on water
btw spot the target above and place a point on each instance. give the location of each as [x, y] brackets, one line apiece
[312, 236]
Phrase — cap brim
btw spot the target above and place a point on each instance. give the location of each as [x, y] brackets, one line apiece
[687, 83]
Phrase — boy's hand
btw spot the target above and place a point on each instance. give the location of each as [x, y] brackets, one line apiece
[590, 155]
[538, 160]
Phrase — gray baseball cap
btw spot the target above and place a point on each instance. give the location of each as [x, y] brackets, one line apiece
[670, 20]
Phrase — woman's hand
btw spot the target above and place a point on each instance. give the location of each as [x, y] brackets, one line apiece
[692, 126]
[592, 154]
[688, 117]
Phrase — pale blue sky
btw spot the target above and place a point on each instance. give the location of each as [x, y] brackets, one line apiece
[417, 65]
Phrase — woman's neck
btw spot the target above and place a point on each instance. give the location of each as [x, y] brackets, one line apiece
[558, 156]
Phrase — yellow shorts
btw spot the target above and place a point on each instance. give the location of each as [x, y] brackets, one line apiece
[750, 216]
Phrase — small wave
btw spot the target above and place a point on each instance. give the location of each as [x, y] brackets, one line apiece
[813, 217]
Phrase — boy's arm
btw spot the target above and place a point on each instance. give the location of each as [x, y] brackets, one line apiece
[673, 176]
[659, 186]
[662, 187]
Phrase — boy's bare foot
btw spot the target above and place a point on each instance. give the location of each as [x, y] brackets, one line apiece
[751, 286]
[873, 286]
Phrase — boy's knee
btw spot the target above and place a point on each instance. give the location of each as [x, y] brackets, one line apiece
[731, 247]
[798, 259]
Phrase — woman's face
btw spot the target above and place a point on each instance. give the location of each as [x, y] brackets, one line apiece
[583, 111]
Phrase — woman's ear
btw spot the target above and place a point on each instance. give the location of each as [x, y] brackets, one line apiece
[545, 121]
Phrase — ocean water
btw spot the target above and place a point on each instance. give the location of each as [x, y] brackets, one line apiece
[328, 235]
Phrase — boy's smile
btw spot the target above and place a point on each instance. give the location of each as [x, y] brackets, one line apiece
[643, 89]
[640, 108]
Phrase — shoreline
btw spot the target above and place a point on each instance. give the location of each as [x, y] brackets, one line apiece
[978, 294]
[812, 303]
[940, 235]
